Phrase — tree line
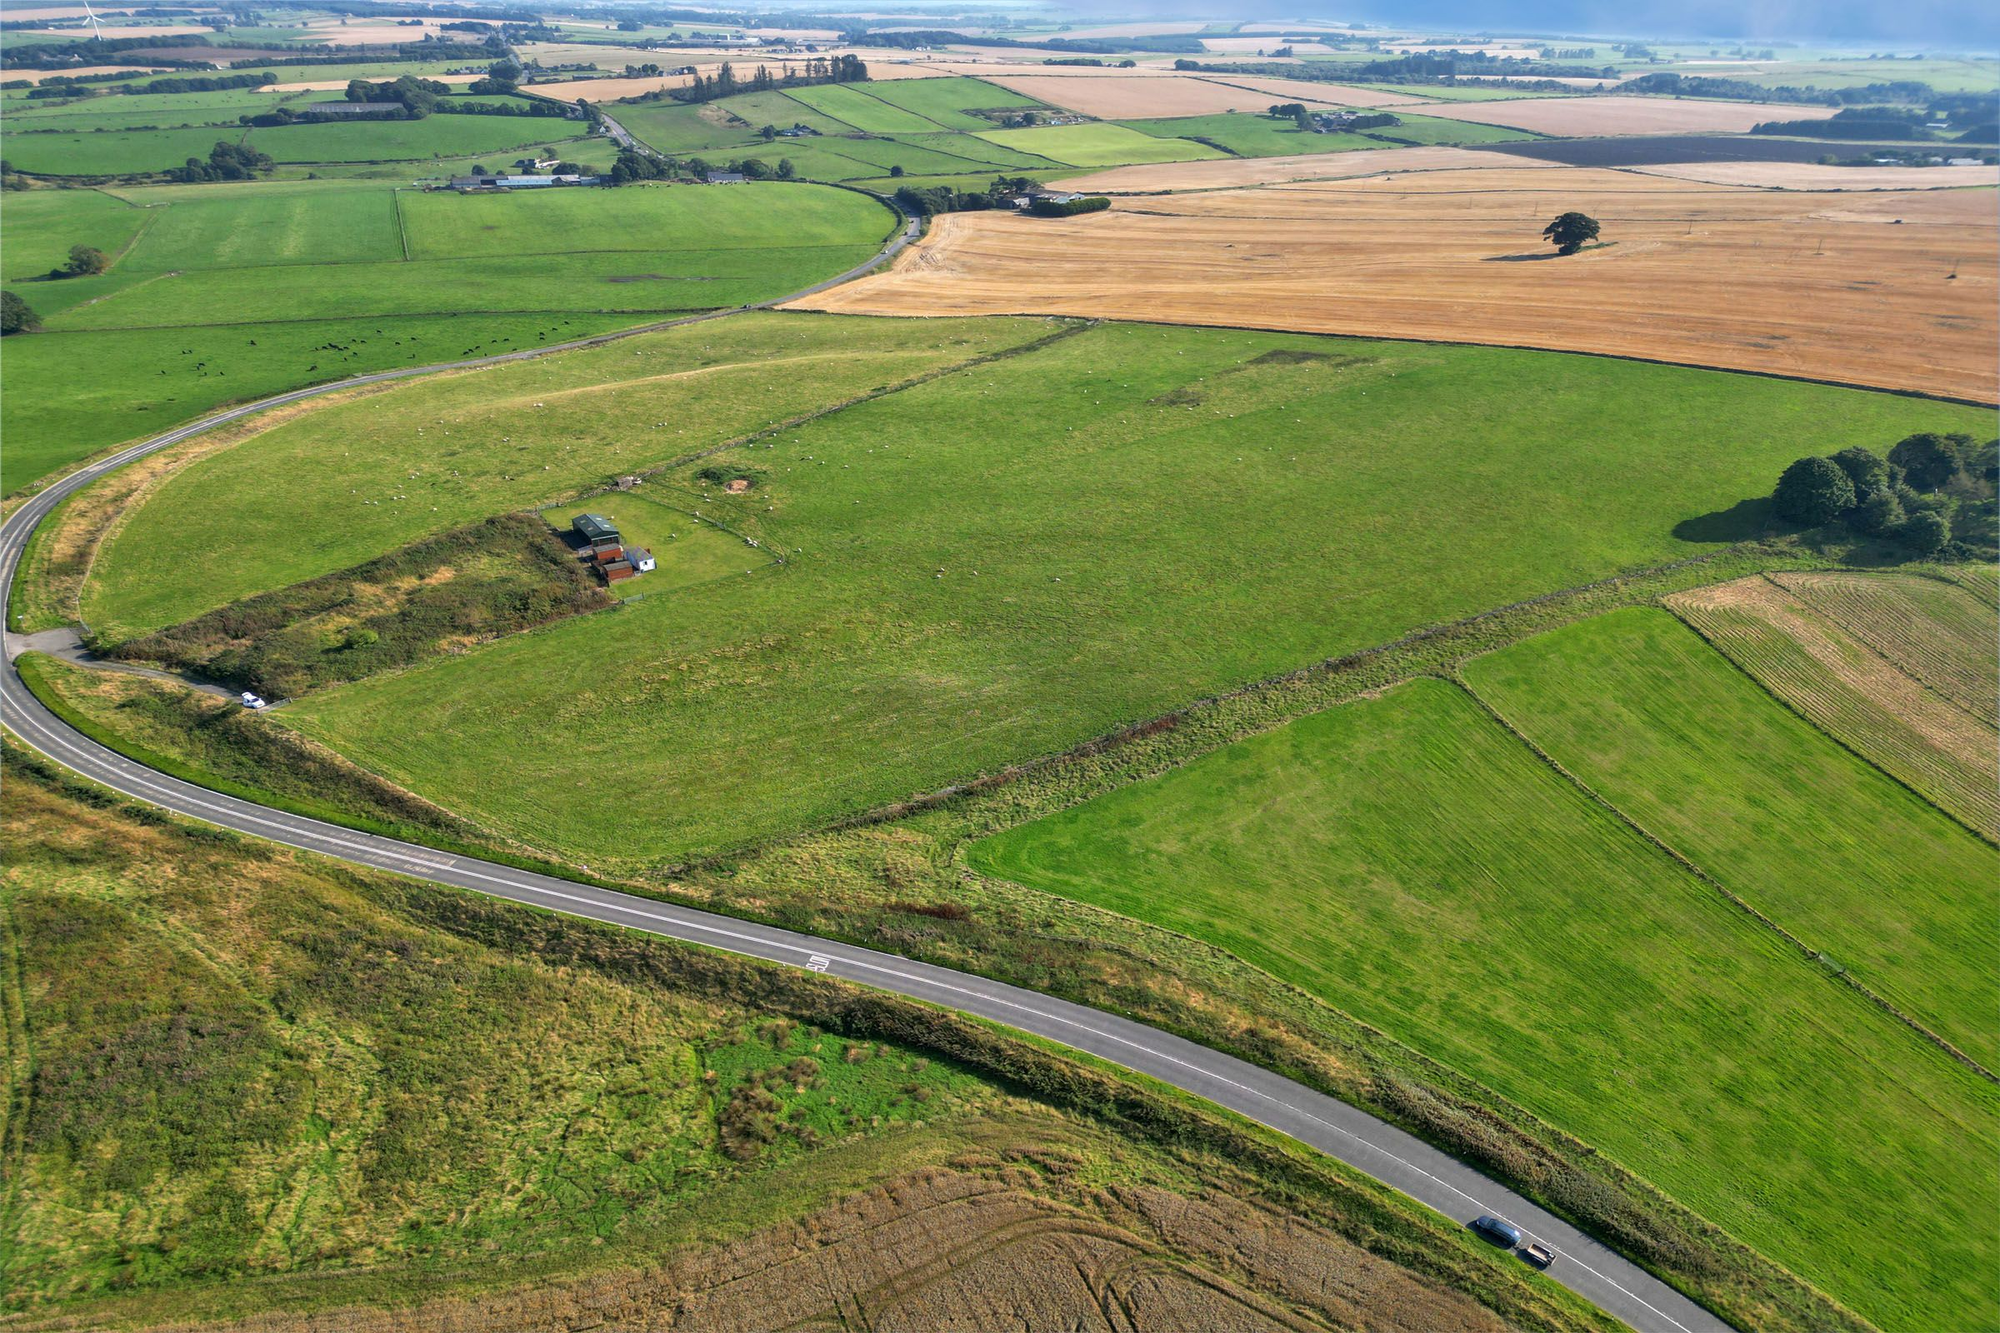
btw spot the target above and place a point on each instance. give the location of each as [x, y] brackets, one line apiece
[818, 69]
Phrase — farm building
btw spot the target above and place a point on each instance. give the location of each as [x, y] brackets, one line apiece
[640, 558]
[357, 110]
[725, 178]
[464, 184]
[596, 531]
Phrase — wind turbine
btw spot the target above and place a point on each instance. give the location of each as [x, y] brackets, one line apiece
[96, 28]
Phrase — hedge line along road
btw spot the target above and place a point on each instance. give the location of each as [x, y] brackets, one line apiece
[1375, 1147]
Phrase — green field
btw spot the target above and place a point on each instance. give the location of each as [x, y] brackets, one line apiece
[1121, 484]
[1098, 144]
[855, 107]
[96, 145]
[1407, 859]
[1253, 136]
[948, 101]
[203, 306]
[1674, 735]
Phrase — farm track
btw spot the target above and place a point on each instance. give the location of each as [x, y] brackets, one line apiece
[1343, 1131]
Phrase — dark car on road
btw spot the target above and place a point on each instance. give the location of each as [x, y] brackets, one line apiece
[1499, 1232]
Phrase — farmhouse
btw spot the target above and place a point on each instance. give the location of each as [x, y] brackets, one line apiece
[725, 178]
[465, 184]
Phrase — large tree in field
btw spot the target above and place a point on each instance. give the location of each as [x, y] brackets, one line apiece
[1813, 491]
[1571, 232]
[85, 260]
[16, 315]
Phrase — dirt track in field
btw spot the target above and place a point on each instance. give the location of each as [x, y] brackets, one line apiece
[943, 1248]
[1851, 288]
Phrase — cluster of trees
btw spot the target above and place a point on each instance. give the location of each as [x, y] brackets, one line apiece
[1905, 498]
[1736, 90]
[933, 199]
[526, 107]
[502, 76]
[1877, 123]
[418, 97]
[226, 162]
[219, 83]
[1066, 208]
[634, 166]
[85, 261]
[1302, 116]
[818, 69]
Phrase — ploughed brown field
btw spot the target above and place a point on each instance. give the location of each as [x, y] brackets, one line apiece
[1851, 288]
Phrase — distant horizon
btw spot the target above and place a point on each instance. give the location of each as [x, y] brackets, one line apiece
[1967, 28]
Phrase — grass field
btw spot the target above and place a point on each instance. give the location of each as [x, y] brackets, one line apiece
[1098, 145]
[1408, 860]
[855, 107]
[1124, 484]
[409, 140]
[607, 411]
[1854, 693]
[202, 305]
[949, 101]
[1671, 733]
[1252, 136]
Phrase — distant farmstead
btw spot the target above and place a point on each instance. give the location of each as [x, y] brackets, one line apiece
[469, 184]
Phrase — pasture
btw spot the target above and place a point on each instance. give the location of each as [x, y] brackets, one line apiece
[1823, 286]
[1410, 862]
[199, 308]
[1666, 729]
[1266, 478]
[1097, 145]
[1252, 135]
[1853, 693]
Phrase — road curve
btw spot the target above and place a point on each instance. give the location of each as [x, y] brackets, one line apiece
[1344, 1132]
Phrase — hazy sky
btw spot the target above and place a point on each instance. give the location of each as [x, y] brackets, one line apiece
[1905, 24]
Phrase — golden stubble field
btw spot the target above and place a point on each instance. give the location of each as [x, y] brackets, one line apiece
[1856, 288]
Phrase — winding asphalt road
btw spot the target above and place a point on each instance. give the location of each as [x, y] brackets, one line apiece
[1341, 1131]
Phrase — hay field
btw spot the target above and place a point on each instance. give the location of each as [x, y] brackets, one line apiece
[1226, 173]
[1852, 692]
[1303, 90]
[1119, 97]
[1565, 117]
[1823, 286]
[1816, 176]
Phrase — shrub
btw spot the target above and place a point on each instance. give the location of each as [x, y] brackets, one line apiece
[1864, 468]
[1813, 491]
[1925, 533]
[16, 315]
[1880, 515]
[1928, 459]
